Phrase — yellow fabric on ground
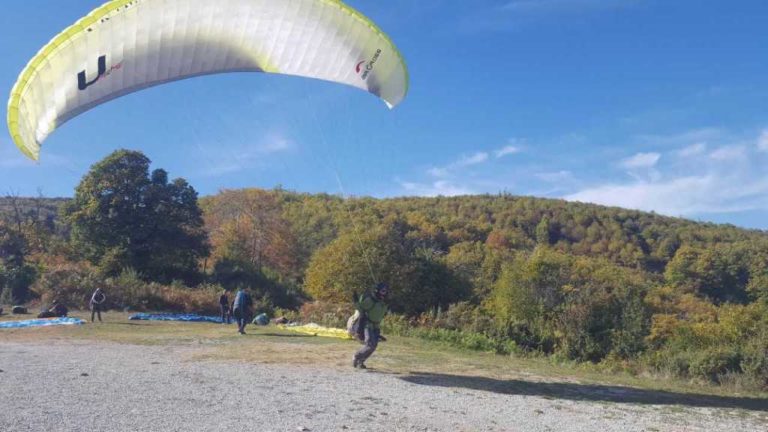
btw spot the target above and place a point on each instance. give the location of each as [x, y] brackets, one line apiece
[316, 330]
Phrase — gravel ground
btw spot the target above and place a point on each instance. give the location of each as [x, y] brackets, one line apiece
[110, 387]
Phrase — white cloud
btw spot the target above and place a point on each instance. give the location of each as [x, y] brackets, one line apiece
[728, 153]
[714, 171]
[684, 138]
[438, 188]
[12, 158]
[475, 159]
[673, 198]
[463, 162]
[275, 143]
[693, 174]
[726, 179]
[555, 177]
[684, 196]
[219, 161]
[506, 151]
[762, 141]
[438, 172]
[641, 160]
[515, 14]
[560, 6]
[15, 161]
[692, 150]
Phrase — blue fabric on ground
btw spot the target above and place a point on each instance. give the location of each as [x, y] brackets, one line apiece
[40, 323]
[175, 317]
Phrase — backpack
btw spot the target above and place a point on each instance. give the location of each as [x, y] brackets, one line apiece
[356, 326]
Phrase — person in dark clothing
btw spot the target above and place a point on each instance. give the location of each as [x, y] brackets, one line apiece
[97, 303]
[373, 309]
[242, 309]
[224, 306]
[58, 309]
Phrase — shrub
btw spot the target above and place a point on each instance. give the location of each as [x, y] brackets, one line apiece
[755, 360]
[710, 365]
[327, 314]
[401, 326]
[713, 363]
[69, 283]
[73, 285]
[466, 317]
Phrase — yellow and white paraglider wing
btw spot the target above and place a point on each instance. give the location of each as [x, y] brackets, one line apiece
[128, 45]
[317, 330]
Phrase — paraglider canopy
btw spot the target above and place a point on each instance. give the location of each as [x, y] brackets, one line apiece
[128, 45]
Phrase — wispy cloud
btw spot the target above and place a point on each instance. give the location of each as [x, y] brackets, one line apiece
[762, 141]
[463, 162]
[731, 178]
[12, 158]
[692, 150]
[515, 14]
[555, 177]
[693, 173]
[275, 143]
[641, 160]
[684, 196]
[507, 150]
[564, 6]
[686, 138]
[728, 153]
[437, 188]
[475, 159]
[9, 161]
[238, 158]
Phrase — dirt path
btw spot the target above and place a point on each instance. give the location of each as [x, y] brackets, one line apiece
[114, 387]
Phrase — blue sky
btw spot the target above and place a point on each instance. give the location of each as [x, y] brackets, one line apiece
[648, 104]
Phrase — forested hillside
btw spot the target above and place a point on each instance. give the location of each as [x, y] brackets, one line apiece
[503, 273]
[285, 229]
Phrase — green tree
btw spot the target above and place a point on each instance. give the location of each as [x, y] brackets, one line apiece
[16, 276]
[123, 217]
[543, 234]
[585, 308]
[719, 273]
[419, 280]
[531, 286]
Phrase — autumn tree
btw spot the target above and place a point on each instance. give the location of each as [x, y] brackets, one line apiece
[248, 226]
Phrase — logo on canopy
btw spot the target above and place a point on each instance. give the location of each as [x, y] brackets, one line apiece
[365, 67]
[82, 82]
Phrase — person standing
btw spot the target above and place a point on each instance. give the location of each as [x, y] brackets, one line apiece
[224, 306]
[242, 309]
[373, 309]
[97, 303]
